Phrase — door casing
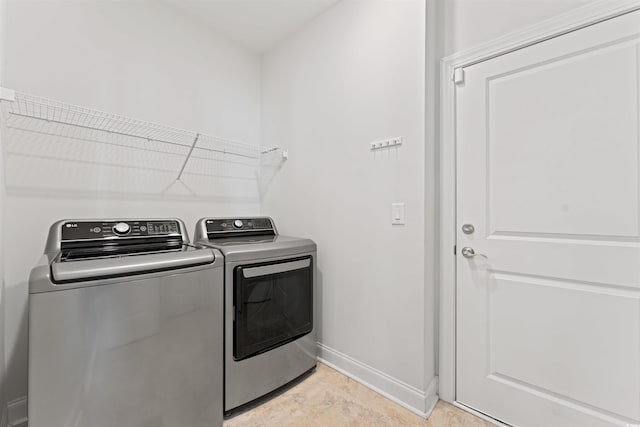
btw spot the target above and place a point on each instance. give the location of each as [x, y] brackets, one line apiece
[590, 14]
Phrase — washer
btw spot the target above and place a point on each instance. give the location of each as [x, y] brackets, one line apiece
[270, 336]
[125, 327]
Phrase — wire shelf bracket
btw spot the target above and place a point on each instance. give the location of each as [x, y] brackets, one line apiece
[186, 160]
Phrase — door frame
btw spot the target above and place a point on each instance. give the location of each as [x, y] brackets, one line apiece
[584, 16]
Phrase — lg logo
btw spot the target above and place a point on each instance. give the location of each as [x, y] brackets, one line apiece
[72, 225]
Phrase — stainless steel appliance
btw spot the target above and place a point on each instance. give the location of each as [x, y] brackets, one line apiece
[125, 327]
[270, 337]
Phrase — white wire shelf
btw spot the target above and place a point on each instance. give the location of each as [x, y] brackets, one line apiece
[33, 113]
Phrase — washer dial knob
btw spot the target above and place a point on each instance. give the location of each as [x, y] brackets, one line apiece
[238, 223]
[121, 228]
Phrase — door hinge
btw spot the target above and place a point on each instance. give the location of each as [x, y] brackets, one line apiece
[454, 249]
[458, 76]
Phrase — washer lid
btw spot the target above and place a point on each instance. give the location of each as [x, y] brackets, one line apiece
[111, 267]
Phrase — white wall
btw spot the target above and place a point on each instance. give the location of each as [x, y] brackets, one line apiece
[133, 58]
[352, 76]
[468, 23]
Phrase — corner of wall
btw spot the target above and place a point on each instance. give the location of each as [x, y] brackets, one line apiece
[3, 417]
[3, 61]
[3, 41]
[433, 53]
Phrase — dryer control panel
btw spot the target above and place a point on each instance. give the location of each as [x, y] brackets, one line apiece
[96, 230]
[221, 227]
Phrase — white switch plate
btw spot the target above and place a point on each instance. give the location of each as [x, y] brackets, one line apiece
[397, 213]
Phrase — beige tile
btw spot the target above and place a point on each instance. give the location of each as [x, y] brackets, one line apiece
[328, 398]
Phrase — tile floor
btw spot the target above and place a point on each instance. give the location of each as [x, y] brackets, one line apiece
[329, 399]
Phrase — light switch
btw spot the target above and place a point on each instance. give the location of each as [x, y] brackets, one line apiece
[397, 213]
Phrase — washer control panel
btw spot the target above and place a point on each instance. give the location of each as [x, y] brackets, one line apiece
[95, 230]
[239, 225]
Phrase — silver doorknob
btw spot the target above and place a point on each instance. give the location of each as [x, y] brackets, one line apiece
[468, 252]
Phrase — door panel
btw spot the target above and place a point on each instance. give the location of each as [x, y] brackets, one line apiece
[546, 117]
[548, 324]
[539, 306]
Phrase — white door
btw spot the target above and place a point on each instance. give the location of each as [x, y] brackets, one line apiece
[548, 324]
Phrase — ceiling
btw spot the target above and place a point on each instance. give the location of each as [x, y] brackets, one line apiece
[256, 24]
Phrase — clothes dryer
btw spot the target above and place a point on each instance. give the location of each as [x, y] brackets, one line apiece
[270, 333]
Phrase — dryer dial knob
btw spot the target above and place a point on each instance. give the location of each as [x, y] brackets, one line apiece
[121, 228]
[238, 223]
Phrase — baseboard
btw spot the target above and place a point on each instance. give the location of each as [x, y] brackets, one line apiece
[17, 412]
[417, 401]
[431, 396]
